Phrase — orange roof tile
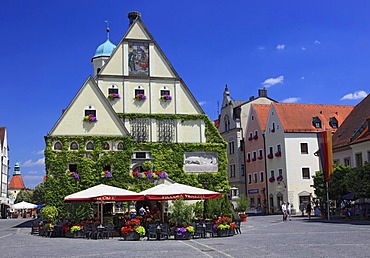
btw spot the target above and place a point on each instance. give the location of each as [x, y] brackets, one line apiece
[355, 127]
[262, 112]
[16, 182]
[216, 123]
[298, 117]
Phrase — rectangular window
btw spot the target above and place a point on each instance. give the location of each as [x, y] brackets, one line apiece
[72, 167]
[358, 158]
[306, 173]
[140, 129]
[271, 151]
[249, 156]
[140, 155]
[249, 178]
[90, 112]
[166, 130]
[278, 147]
[232, 170]
[252, 202]
[272, 173]
[242, 170]
[260, 154]
[280, 172]
[254, 156]
[261, 177]
[304, 148]
[347, 161]
[255, 177]
[165, 92]
[232, 147]
[110, 91]
[137, 91]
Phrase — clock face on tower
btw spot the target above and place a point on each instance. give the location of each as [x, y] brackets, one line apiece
[138, 58]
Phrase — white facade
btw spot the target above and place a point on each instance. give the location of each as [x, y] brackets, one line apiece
[4, 170]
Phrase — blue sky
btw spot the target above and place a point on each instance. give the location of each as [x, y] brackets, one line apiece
[301, 51]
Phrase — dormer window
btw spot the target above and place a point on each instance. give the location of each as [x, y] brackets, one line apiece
[333, 122]
[316, 122]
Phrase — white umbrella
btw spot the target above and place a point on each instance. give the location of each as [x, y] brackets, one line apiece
[24, 205]
[175, 191]
[102, 193]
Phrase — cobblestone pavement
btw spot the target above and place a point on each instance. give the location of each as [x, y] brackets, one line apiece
[262, 236]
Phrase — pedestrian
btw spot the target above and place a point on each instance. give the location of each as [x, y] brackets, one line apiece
[308, 210]
[283, 209]
[301, 208]
[289, 210]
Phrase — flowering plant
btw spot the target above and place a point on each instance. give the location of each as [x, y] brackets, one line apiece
[106, 174]
[75, 228]
[137, 174]
[113, 96]
[161, 174]
[166, 97]
[255, 137]
[270, 156]
[278, 154]
[75, 175]
[65, 228]
[271, 179]
[140, 97]
[182, 231]
[223, 223]
[254, 159]
[260, 157]
[250, 138]
[133, 225]
[248, 160]
[149, 174]
[90, 118]
[279, 178]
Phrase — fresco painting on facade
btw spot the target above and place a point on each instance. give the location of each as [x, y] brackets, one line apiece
[138, 58]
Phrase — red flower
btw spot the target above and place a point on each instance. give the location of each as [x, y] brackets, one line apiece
[270, 156]
[271, 179]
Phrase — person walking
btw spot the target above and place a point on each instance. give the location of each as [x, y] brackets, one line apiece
[308, 210]
[283, 209]
[289, 210]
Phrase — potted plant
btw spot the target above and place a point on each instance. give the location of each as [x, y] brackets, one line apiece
[140, 97]
[242, 203]
[223, 226]
[113, 96]
[181, 217]
[90, 118]
[166, 97]
[132, 230]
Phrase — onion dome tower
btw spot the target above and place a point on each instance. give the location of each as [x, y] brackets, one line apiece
[102, 53]
[16, 183]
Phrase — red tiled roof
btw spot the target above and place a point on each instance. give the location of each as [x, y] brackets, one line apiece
[298, 117]
[16, 182]
[355, 127]
[216, 123]
[262, 112]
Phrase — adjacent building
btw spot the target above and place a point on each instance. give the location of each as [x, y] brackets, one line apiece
[232, 122]
[4, 171]
[351, 142]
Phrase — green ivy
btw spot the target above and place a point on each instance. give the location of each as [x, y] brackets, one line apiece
[167, 157]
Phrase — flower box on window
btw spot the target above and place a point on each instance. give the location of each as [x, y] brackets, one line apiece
[248, 160]
[166, 97]
[273, 130]
[255, 137]
[254, 159]
[75, 175]
[113, 96]
[90, 118]
[270, 156]
[260, 157]
[140, 97]
[279, 178]
[278, 154]
[250, 138]
[271, 179]
[106, 174]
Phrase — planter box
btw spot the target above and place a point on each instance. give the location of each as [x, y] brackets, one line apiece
[187, 236]
[75, 234]
[132, 236]
[223, 232]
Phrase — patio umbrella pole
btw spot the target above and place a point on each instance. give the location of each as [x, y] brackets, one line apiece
[101, 214]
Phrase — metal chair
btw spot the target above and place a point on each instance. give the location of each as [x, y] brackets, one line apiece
[209, 229]
[165, 231]
[199, 229]
[108, 231]
[152, 230]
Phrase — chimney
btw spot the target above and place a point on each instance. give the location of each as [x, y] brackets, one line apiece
[132, 16]
[262, 93]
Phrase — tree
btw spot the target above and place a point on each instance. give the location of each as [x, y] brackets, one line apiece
[358, 181]
[337, 182]
[181, 213]
[24, 196]
[38, 194]
[242, 203]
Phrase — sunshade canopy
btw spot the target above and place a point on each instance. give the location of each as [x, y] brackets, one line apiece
[104, 193]
[174, 191]
[24, 205]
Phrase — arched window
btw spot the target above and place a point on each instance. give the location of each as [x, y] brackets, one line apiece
[74, 146]
[120, 146]
[57, 146]
[106, 146]
[227, 123]
[90, 146]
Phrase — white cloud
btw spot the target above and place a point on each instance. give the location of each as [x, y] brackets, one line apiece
[201, 103]
[261, 48]
[280, 47]
[291, 100]
[40, 152]
[30, 163]
[360, 94]
[316, 42]
[302, 78]
[272, 81]
[303, 48]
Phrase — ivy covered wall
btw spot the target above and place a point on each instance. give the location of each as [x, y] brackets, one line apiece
[168, 157]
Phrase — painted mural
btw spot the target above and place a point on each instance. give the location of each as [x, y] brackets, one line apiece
[138, 58]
